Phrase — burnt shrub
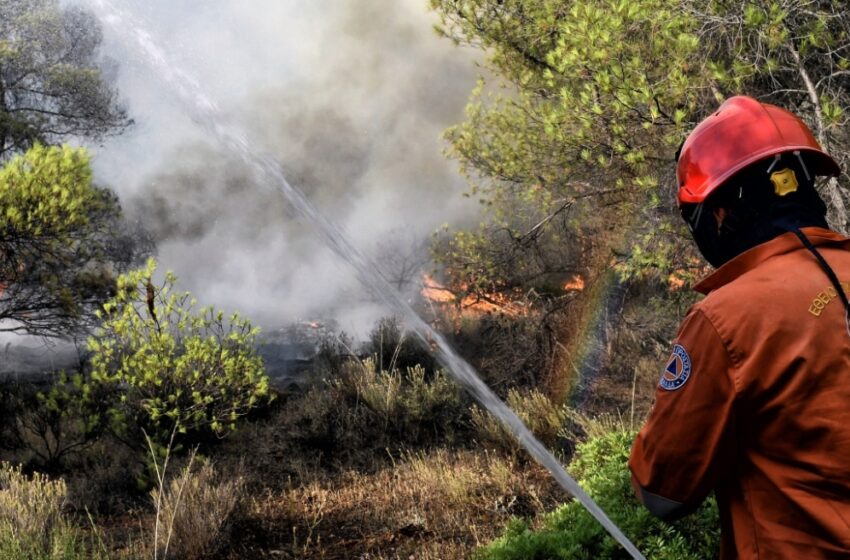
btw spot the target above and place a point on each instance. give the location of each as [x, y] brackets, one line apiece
[393, 348]
[508, 352]
[356, 420]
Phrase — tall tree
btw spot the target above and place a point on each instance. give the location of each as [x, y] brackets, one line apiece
[588, 99]
[790, 52]
[62, 243]
[573, 130]
[51, 86]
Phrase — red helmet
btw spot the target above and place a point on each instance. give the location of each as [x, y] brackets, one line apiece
[741, 132]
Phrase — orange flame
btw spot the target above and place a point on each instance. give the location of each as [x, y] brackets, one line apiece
[575, 284]
[471, 305]
[681, 277]
[436, 292]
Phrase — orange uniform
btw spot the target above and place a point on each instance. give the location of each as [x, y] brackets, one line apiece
[755, 404]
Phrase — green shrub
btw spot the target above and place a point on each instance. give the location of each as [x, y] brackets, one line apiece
[56, 250]
[160, 365]
[600, 466]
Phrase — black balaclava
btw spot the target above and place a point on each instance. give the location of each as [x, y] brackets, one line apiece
[755, 212]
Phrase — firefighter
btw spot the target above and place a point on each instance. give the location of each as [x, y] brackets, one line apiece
[754, 401]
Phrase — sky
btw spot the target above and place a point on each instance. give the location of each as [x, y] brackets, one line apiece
[352, 96]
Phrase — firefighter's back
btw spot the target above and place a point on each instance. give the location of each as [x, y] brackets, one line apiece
[784, 326]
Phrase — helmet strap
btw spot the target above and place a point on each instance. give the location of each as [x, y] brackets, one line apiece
[776, 159]
[694, 219]
[803, 165]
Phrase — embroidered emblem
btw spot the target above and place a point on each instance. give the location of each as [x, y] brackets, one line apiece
[678, 369]
[784, 181]
[823, 298]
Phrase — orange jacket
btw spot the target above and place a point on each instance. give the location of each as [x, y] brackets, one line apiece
[754, 404]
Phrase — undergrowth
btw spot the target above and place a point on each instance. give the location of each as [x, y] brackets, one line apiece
[365, 462]
[570, 533]
[32, 526]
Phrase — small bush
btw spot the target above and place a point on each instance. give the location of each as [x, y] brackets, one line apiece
[31, 522]
[543, 417]
[43, 429]
[507, 352]
[601, 467]
[408, 406]
[195, 512]
[349, 422]
[392, 348]
[30, 507]
[160, 365]
[106, 478]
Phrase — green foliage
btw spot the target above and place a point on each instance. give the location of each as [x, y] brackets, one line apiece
[51, 86]
[600, 466]
[587, 100]
[47, 192]
[160, 365]
[601, 92]
[60, 241]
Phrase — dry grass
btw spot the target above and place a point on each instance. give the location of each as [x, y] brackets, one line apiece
[432, 505]
[348, 423]
[197, 508]
[193, 511]
[367, 465]
[30, 507]
[543, 417]
[32, 526]
[386, 479]
[583, 426]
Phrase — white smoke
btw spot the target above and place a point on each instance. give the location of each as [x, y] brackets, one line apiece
[351, 95]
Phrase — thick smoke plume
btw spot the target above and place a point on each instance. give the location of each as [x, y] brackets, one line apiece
[350, 95]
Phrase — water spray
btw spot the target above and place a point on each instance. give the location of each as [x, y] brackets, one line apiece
[269, 174]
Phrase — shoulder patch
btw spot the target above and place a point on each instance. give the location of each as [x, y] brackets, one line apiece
[678, 369]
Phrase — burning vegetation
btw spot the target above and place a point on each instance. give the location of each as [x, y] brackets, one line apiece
[576, 283]
[461, 303]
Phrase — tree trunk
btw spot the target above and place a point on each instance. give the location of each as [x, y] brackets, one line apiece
[4, 111]
[836, 208]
